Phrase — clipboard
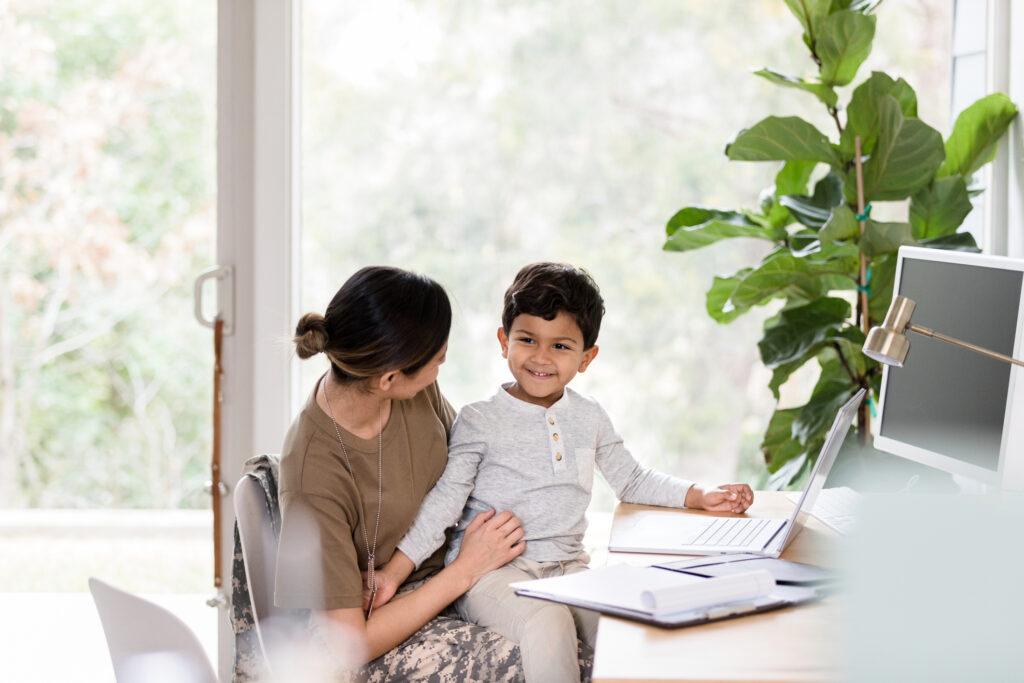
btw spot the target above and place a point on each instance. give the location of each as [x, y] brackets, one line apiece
[728, 592]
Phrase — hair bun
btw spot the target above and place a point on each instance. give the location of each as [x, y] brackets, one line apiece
[310, 335]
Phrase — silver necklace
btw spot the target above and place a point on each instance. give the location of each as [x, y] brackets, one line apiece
[371, 551]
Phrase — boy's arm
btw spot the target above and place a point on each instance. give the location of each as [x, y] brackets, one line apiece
[631, 481]
[443, 504]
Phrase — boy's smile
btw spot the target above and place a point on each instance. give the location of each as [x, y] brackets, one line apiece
[544, 356]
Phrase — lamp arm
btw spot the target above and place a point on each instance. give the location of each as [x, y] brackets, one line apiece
[966, 345]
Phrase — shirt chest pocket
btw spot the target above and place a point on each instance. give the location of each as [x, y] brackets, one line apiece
[585, 467]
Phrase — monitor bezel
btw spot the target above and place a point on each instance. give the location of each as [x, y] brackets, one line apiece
[1010, 471]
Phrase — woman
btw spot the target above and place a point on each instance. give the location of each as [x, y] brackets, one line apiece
[356, 464]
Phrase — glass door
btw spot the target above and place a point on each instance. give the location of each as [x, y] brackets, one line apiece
[107, 212]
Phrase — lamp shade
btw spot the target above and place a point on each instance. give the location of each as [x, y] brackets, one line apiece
[888, 343]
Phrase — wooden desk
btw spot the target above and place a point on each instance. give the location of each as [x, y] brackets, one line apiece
[793, 644]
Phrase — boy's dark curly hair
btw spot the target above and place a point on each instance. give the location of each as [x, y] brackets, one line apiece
[544, 289]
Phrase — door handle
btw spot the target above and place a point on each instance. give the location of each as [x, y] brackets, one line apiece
[225, 276]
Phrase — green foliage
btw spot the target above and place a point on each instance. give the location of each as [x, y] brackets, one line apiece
[107, 145]
[822, 242]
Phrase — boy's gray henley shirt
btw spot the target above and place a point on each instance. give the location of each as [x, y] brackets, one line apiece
[507, 454]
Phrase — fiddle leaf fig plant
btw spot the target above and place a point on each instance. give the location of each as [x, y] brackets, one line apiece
[830, 263]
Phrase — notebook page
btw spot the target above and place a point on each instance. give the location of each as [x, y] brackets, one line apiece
[689, 596]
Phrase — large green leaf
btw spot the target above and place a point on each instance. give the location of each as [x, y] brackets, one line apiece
[841, 225]
[718, 303]
[791, 470]
[805, 291]
[844, 42]
[698, 226]
[848, 341]
[783, 372]
[883, 275]
[905, 158]
[862, 112]
[825, 93]
[940, 207]
[833, 389]
[976, 133]
[814, 211]
[792, 178]
[862, 6]
[781, 271]
[779, 446]
[800, 328]
[958, 241]
[810, 13]
[788, 138]
[883, 238]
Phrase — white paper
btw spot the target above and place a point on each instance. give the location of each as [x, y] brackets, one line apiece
[684, 597]
[625, 586]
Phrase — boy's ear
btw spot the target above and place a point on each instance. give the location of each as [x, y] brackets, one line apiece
[588, 357]
[503, 340]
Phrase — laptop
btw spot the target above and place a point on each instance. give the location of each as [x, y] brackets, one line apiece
[667, 531]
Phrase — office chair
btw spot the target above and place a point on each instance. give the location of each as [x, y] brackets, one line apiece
[147, 643]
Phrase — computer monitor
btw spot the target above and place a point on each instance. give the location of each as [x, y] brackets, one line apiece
[947, 407]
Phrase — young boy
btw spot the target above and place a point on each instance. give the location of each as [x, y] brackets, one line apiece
[531, 448]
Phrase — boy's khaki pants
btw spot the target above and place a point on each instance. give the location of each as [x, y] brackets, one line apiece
[546, 631]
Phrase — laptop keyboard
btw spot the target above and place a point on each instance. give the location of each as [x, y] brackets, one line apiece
[731, 532]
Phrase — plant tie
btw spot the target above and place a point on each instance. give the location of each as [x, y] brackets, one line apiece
[866, 287]
[864, 216]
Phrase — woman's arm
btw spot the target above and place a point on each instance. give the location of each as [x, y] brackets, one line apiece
[491, 540]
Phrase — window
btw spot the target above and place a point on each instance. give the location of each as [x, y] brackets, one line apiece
[466, 139]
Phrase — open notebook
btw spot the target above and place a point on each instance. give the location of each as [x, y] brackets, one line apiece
[688, 592]
[669, 531]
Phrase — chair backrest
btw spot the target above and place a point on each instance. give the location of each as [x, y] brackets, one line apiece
[259, 545]
[281, 633]
[147, 643]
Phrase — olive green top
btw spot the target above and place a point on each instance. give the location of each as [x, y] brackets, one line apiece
[323, 509]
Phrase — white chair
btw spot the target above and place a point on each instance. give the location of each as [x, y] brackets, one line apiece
[147, 643]
[259, 550]
[281, 633]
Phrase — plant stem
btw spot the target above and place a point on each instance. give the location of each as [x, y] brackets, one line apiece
[842, 359]
[835, 117]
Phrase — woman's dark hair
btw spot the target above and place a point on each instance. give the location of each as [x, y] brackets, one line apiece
[382, 319]
[544, 289]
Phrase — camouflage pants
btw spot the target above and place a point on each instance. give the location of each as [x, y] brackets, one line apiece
[449, 650]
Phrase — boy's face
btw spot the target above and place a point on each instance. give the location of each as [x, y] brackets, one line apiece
[544, 356]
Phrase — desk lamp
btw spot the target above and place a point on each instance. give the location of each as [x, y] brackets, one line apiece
[888, 343]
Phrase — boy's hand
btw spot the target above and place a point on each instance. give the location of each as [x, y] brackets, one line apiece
[725, 498]
[386, 589]
[388, 579]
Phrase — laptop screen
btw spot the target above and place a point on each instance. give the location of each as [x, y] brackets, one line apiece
[826, 458]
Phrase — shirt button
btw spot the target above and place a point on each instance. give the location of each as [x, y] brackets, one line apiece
[551, 420]
[555, 437]
[558, 456]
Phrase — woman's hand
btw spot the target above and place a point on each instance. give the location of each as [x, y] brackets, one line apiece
[725, 498]
[491, 540]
